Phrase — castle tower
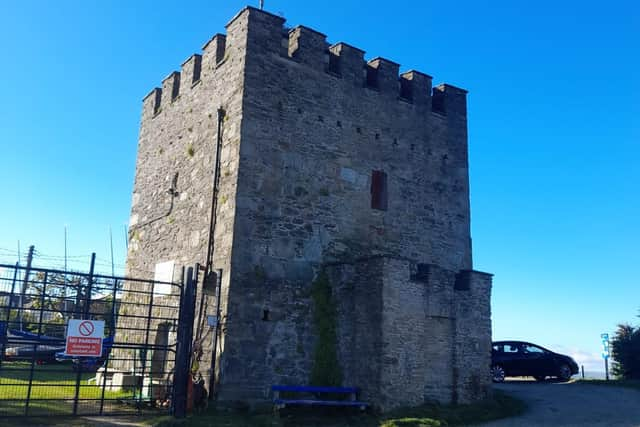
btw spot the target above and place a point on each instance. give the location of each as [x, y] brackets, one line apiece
[322, 161]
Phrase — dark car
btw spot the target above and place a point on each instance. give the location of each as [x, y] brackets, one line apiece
[523, 359]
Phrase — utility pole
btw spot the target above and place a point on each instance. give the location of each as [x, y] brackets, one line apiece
[261, 4]
[25, 282]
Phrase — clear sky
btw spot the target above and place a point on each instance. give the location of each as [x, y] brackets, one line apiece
[554, 134]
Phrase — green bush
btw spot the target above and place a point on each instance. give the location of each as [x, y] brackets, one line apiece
[626, 352]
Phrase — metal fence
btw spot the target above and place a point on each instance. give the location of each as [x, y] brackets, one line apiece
[134, 372]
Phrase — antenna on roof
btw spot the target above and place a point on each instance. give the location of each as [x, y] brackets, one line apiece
[261, 4]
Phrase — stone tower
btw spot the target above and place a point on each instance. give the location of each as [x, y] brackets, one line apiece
[273, 156]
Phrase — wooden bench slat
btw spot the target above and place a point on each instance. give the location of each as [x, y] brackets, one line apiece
[311, 402]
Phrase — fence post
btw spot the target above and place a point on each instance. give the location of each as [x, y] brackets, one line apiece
[5, 328]
[185, 337]
[87, 304]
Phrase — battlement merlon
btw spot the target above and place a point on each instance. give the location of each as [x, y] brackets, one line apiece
[151, 103]
[416, 87]
[213, 53]
[382, 74]
[170, 88]
[264, 30]
[308, 46]
[191, 70]
[450, 101]
[347, 62]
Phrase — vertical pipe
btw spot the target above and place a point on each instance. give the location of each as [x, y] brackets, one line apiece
[212, 220]
[212, 377]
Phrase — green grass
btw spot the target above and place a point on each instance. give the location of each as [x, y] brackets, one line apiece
[52, 391]
[55, 381]
[501, 406]
[634, 384]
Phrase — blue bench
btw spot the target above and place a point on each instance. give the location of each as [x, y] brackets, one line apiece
[351, 401]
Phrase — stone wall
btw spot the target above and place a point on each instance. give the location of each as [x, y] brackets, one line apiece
[173, 187]
[472, 336]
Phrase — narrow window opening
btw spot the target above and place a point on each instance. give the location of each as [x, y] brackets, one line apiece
[339, 123]
[379, 195]
[265, 315]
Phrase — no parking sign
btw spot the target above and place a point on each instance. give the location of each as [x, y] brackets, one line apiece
[84, 338]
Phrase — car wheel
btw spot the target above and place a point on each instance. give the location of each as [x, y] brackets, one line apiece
[540, 378]
[564, 373]
[497, 374]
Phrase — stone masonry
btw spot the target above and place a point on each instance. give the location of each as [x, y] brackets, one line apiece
[327, 161]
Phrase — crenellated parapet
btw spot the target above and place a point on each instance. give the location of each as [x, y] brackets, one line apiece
[264, 33]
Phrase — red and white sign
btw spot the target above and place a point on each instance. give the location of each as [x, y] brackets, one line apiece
[84, 337]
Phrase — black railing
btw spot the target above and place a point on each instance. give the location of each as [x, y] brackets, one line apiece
[134, 372]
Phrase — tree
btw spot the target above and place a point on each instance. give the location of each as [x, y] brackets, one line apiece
[626, 352]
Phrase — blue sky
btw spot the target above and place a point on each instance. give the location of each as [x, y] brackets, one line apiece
[554, 134]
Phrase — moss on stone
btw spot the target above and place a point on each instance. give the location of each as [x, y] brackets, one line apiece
[326, 369]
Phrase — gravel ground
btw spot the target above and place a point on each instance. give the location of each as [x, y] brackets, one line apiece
[572, 404]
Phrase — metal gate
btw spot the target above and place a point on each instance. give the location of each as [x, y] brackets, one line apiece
[147, 338]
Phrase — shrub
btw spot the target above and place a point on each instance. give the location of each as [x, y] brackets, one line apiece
[626, 352]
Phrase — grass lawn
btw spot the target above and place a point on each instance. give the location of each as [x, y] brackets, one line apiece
[501, 406]
[52, 390]
[635, 384]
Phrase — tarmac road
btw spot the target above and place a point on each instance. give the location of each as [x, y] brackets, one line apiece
[572, 404]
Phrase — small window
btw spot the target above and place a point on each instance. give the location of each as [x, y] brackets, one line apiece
[511, 348]
[379, 190]
[532, 349]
